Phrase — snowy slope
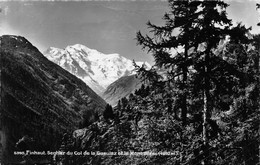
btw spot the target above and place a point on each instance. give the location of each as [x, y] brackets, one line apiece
[96, 69]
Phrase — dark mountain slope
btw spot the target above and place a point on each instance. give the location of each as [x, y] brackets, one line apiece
[121, 88]
[39, 99]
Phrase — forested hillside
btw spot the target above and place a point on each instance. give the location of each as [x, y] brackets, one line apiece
[39, 101]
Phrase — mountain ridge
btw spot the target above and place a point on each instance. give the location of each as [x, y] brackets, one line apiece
[39, 99]
[122, 87]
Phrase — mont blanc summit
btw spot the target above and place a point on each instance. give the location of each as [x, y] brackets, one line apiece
[96, 69]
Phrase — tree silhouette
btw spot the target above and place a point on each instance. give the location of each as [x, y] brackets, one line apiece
[178, 31]
[108, 112]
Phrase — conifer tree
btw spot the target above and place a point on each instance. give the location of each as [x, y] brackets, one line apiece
[108, 112]
[119, 106]
[179, 20]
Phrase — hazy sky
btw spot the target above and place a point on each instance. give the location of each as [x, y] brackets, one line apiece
[108, 26]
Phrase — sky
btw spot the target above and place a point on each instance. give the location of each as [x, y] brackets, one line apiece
[107, 26]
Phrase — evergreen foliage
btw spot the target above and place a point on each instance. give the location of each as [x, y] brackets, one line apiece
[108, 112]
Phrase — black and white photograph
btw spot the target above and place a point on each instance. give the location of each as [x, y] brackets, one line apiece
[130, 82]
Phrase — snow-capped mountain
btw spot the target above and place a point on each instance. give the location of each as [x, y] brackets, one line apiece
[96, 69]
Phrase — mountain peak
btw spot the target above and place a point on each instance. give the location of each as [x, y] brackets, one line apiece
[79, 47]
[96, 69]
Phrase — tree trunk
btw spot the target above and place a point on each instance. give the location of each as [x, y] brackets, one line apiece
[204, 133]
[206, 107]
[184, 82]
